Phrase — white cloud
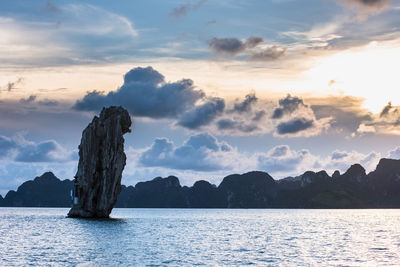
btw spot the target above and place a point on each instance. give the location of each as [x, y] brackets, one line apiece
[71, 34]
[18, 149]
[395, 153]
[201, 152]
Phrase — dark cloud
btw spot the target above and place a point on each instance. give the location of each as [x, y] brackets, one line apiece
[268, 54]
[236, 125]
[244, 117]
[367, 7]
[200, 152]
[33, 99]
[372, 3]
[227, 46]
[391, 114]
[387, 110]
[259, 115]
[279, 151]
[28, 100]
[347, 111]
[145, 93]
[144, 75]
[203, 114]
[245, 106]
[253, 41]
[294, 118]
[287, 106]
[184, 9]
[13, 85]
[251, 48]
[294, 126]
[48, 102]
[233, 46]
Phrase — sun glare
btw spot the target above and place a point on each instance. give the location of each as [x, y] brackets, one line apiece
[370, 72]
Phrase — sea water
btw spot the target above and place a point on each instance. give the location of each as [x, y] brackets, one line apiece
[185, 237]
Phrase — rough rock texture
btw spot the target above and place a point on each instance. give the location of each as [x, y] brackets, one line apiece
[101, 162]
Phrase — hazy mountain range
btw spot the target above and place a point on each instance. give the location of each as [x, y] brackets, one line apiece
[352, 189]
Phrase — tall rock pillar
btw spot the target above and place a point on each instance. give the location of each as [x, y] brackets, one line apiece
[101, 162]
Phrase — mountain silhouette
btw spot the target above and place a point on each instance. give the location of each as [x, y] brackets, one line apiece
[352, 189]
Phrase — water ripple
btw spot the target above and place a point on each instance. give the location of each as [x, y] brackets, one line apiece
[181, 237]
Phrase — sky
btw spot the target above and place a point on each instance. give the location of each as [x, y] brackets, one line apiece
[214, 87]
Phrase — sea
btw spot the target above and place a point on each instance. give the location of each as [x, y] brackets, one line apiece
[205, 237]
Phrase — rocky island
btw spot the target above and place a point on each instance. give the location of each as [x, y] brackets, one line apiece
[102, 159]
[349, 190]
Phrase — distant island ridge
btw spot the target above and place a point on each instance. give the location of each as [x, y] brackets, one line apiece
[352, 189]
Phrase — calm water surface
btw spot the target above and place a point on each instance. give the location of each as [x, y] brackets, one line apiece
[181, 237]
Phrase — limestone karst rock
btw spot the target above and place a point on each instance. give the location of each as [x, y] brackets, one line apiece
[101, 162]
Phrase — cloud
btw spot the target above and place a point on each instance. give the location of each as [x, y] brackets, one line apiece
[48, 102]
[13, 85]
[47, 151]
[13, 174]
[341, 160]
[32, 99]
[184, 9]
[6, 145]
[366, 7]
[28, 100]
[253, 41]
[395, 153]
[347, 112]
[375, 4]
[252, 47]
[294, 126]
[66, 34]
[386, 122]
[236, 126]
[363, 129]
[287, 106]
[227, 46]
[202, 114]
[319, 35]
[201, 152]
[244, 117]
[145, 93]
[204, 153]
[271, 53]
[282, 159]
[94, 21]
[245, 105]
[19, 149]
[294, 118]
[259, 115]
[250, 116]
[390, 112]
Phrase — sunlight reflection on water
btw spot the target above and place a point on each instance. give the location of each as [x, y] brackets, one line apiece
[44, 236]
